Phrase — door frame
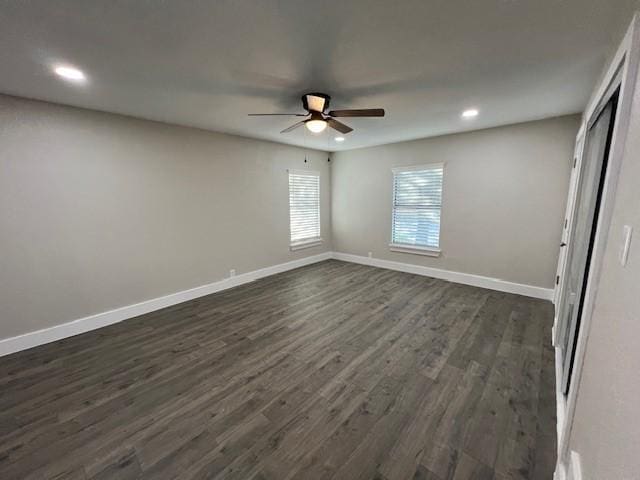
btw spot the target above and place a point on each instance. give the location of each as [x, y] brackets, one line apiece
[567, 231]
[621, 75]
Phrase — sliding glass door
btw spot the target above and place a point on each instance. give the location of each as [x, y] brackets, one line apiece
[585, 218]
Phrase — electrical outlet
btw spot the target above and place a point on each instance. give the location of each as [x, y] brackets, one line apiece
[232, 272]
[626, 244]
[370, 254]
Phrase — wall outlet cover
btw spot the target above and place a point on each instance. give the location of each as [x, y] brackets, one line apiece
[626, 244]
[232, 272]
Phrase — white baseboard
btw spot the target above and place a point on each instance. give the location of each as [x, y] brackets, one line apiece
[560, 473]
[92, 322]
[457, 277]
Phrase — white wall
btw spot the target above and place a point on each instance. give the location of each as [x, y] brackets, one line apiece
[606, 425]
[100, 211]
[504, 194]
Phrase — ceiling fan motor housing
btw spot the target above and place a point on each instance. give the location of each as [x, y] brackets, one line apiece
[315, 102]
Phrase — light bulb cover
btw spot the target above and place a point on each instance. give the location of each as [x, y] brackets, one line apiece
[316, 126]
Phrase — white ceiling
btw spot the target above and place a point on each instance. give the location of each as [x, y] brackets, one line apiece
[209, 63]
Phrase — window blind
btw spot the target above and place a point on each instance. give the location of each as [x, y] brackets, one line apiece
[304, 206]
[417, 201]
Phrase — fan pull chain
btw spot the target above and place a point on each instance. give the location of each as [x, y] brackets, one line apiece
[305, 144]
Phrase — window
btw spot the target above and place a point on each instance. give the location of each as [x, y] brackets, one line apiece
[417, 200]
[304, 208]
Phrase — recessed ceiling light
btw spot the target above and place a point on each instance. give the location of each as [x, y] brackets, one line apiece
[70, 73]
[339, 139]
[472, 112]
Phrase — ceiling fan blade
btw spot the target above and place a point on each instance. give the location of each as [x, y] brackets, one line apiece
[285, 114]
[366, 112]
[293, 127]
[339, 126]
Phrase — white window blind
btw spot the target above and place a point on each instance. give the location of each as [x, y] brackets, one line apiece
[304, 206]
[417, 201]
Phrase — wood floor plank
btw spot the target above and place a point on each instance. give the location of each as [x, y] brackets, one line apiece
[334, 370]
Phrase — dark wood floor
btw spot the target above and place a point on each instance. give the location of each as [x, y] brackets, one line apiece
[334, 370]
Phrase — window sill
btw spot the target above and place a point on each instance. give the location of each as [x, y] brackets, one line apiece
[428, 251]
[305, 244]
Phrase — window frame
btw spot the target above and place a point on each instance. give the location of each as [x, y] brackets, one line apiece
[312, 241]
[408, 248]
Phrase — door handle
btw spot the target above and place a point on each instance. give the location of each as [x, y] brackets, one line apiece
[563, 244]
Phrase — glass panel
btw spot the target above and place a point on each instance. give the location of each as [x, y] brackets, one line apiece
[304, 207]
[585, 221]
[417, 197]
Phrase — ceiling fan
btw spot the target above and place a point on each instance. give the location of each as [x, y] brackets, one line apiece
[316, 105]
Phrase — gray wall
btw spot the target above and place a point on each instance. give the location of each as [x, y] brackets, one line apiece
[606, 428]
[504, 195]
[99, 211]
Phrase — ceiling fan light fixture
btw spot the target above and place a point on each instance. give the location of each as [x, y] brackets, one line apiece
[315, 126]
[316, 122]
